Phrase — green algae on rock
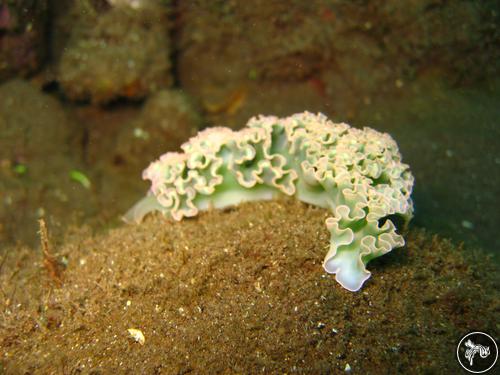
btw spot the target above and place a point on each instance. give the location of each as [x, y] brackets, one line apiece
[356, 174]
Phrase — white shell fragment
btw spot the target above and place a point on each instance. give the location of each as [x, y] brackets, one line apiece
[137, 335]
[357, 174]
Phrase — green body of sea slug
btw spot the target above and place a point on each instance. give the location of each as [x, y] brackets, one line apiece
[356, 174]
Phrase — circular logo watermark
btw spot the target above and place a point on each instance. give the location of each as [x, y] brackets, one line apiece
[477, 352]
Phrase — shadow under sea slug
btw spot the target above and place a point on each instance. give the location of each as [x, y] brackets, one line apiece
[356, 174]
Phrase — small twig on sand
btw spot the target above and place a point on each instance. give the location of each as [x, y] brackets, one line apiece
[49, 262]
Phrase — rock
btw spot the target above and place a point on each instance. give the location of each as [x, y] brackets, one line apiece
[22, 37]
[166, 121]
[119, 49]
[332, 56]
[39, 151]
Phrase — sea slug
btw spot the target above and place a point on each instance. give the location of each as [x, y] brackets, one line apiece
[356, 174]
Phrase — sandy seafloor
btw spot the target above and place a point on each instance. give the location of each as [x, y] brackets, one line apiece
[241, 291]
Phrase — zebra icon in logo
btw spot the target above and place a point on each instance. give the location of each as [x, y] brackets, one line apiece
[477, 352]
